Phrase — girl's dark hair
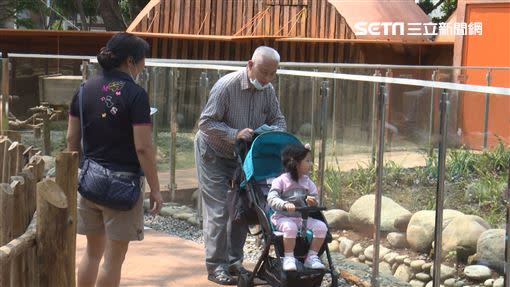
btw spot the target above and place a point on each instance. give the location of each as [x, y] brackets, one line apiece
[120, 47]
[292, 155]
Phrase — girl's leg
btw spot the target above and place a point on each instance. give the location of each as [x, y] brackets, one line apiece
[289, 229]
[319, 229]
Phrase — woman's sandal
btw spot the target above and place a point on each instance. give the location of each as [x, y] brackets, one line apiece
[221, 277]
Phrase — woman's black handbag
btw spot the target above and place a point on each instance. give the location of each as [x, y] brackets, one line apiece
[116, 190]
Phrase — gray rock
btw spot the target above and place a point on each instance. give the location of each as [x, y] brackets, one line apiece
[424, 277]
[167, 211]
[369, 252]
[397, 239]
[499, 282]
[446, 272]
[363, 271]
[403, 273]
[477, 272]
[362, 258]
[337, 219]
[333, 246]
[183, 215]
[401, 222]
[416, 265]
[357, 249]
[416, 283]
[426, 267]
[385, 268]
[390, 257]
[361, 213]
[401, 258]
[420, 231]
[345, 246]
[407, 261]
[450, 282]
[490, 247]
[463, 231]
[193, 220]
[488, 282]
[431, 283]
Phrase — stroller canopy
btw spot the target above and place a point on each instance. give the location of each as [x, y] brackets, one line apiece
[263, 160]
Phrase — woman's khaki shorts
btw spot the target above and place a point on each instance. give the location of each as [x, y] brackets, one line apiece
[95, 219]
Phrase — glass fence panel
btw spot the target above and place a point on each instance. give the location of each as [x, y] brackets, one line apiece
[41, 90]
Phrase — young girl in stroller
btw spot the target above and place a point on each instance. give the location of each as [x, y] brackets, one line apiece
[294, 188]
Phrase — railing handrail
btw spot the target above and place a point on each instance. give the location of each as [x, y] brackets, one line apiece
[149, 62]
[350, 77]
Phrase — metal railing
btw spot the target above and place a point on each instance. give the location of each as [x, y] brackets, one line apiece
[380, 85]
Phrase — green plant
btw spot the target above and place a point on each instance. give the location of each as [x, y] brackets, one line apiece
[460, 163]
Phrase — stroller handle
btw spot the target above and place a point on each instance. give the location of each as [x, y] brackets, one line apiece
[308, 209]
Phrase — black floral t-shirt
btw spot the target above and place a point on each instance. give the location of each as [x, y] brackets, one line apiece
[112, 105]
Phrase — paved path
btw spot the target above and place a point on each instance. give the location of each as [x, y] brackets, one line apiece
[160, 260]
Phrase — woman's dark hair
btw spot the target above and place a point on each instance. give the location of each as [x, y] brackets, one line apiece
[292, 155]
[120, 47]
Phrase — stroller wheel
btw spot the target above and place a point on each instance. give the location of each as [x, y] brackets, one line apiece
[244, 280]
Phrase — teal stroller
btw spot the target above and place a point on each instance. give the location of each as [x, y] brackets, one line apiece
[260, 164]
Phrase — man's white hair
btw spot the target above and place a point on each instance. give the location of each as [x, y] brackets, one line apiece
[266, 53]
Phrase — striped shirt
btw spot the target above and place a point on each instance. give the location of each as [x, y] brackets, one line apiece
[234, 105]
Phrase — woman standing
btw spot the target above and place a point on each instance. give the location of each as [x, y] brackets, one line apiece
[116, 135]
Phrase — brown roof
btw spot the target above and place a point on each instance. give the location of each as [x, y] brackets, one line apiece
[371, 11]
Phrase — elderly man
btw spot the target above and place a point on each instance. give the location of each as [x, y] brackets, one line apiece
[238, 103]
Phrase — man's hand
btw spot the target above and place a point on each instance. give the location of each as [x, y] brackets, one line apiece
[156, 201]
[311, 200]
[245, 134]
[290, 207]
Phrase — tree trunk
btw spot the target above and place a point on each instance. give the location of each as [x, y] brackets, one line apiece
[112, 18]
[81, 11]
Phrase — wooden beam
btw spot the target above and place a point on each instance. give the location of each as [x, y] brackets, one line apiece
[18, 245]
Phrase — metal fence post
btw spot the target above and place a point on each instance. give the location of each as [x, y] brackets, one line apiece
[312, 131]
[323, 128]
[431, 116]
[381, 107]
[174, 74]
[4, 96]
[333, 116]
[438, 229]
[204, 86]
[488, 79]
[373, 124]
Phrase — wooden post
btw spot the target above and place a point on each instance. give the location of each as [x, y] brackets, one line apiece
[6, 207]
[30, 266]
[12, 151]
[4, 145]
[19, 224]
[56, 229]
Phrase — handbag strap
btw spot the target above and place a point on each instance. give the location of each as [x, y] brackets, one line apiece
[80, 103]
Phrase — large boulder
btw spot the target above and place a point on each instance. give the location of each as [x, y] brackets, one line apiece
[463, 231]
[420, 230]
[490, 248]
[337, 218]
[361, 214]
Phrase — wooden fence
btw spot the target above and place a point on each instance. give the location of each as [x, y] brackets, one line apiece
[37, 217]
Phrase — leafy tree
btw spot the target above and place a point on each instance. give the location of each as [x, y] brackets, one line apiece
[116, 14]
[447, 7]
